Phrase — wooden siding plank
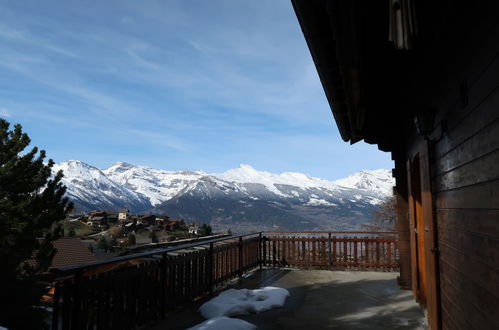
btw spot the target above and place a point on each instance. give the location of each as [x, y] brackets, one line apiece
[478, 304]
[481, 196]
[480, 247]
[479, 273]
[483, 169]
[479, 221]
[478, 145]
[475, 122]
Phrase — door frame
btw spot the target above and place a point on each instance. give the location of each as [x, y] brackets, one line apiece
[424, 217]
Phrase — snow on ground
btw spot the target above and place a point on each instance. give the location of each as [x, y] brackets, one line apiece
[234, 302]
[224, 323]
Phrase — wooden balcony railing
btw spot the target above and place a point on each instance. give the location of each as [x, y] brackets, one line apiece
[127, 291]
[331, 250]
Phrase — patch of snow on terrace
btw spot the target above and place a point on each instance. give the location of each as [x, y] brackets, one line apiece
[224, 323]
[234, 302]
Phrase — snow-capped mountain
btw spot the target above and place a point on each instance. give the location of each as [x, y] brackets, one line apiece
[241, 198]
[157, 185]
[89, 188]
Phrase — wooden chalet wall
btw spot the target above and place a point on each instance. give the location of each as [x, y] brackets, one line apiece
[462, 82]
[447, 183]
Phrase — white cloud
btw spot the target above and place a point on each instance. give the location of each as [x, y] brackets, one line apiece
[4, 113]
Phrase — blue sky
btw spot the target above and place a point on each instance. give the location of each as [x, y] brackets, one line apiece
[171, 84]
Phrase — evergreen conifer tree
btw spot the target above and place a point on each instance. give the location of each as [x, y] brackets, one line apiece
[31, 202]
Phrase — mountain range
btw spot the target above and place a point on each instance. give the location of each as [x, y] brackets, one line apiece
[242, 199]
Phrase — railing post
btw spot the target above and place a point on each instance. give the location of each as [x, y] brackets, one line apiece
[389, 254]
[210, 270]
[333, 241]
[264, 243]
[377, 254]
[274, 251]
[75, 317]
[240, 257]
[355, 259]
[260, 254]
[330, 246]
[55, 307]
[163, 285]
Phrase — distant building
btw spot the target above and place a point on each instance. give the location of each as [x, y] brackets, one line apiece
[194, 230]
[123, 215]
[175, 224]
[162, 221]
[98, 220]
[147, 220]
[112, 216]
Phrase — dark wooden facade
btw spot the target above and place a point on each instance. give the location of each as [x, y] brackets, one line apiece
[447, 173]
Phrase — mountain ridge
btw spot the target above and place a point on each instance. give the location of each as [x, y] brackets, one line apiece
[242, 198]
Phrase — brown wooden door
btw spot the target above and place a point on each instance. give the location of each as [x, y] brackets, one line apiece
[424, 251]
[419, 239]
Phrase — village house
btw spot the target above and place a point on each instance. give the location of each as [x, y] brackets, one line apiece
[147, 219]
[71, 251]
[194, 230]
[98, 220]
[123, 215]
[175, 224]
[161, 221]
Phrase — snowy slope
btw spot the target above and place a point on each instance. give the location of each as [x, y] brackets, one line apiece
[91, 189]
[157, 185]
[375, 181]
[247, 174]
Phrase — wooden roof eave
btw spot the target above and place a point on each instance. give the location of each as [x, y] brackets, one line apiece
[338, 65]
[322, 49]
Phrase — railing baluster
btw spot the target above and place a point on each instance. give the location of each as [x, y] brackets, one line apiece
[355, 259]
[210, 269]
[240, 246]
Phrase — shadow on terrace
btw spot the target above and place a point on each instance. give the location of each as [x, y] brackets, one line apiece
[163, 288]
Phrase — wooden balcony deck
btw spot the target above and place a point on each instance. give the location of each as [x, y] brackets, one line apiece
[322, 299]
[129, 291]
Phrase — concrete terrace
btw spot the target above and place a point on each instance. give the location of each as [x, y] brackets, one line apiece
[322, 299]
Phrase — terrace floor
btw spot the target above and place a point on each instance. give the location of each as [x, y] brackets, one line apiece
[322, 299]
